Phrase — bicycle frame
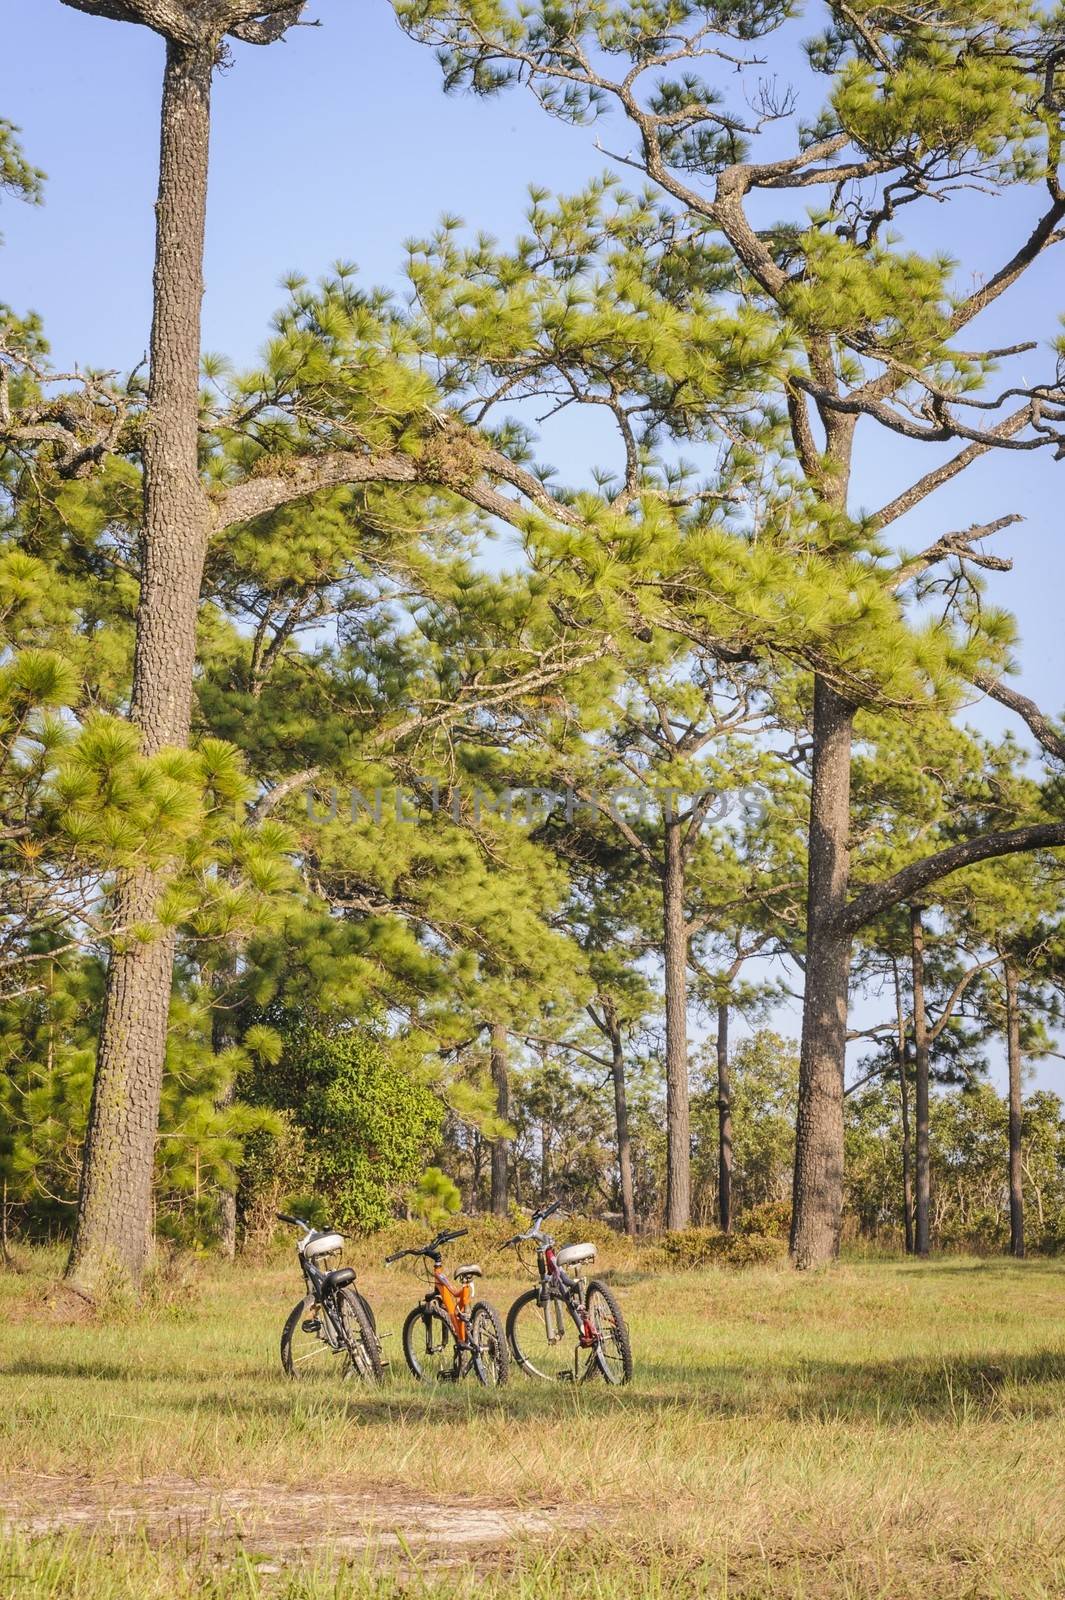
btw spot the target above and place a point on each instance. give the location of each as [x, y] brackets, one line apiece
[456, 1303]
[558, 1289]
[324, 1298]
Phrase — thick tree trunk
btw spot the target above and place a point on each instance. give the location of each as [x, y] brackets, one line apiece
[922, 1071]
[904, 1111]
[500, 1146]
[621, 1116]
[1013, 1056]
[724, 1124]
[817, 1195]
[113, 1225]
[675, 951]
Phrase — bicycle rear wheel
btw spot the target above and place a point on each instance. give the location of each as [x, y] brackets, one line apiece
[491, 1358]
[614, 1351]
[543, 1337]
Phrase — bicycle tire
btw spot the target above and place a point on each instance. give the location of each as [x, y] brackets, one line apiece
[616, 1369]
[318, 1359]
[493, 1372]
[421, 1320]
[532, 1355]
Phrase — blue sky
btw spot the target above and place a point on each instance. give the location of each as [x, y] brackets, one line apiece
[341, 144]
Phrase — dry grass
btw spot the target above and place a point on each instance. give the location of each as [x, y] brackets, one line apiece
[885, 1429]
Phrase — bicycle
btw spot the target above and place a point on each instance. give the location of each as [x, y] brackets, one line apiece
[332, 1328]
[443, 1338]
[542, 1322]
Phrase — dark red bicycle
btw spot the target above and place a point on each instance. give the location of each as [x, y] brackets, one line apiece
[568, 1327]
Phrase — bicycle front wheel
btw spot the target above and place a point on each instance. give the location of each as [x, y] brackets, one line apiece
[429, 1346]
[491, 1358]
[614, 1350]
[543, 1337]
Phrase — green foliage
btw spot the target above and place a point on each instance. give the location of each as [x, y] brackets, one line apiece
[435, 1198]
[367, 1121]
[17, 176]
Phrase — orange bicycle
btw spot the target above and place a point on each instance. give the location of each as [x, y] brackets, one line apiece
[446, 1336]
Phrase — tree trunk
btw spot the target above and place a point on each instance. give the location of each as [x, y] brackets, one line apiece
[817, 1193]
[621, 1116]
[675, 951]
[221, 1039]
[921, 1048]
[1013, 1055]
[724, 1124]
[501, 1145]
[476, 1171]
[904, 1110]
[112, 1228]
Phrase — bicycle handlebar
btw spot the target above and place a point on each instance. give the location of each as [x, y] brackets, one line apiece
[295, 1222]
[538, 1218]
[432, 1249]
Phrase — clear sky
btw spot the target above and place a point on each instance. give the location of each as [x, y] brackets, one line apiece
[340, 143]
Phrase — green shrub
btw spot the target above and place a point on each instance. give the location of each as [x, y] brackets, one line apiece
[771, 1218]
[689, 1248]
[367, 1125]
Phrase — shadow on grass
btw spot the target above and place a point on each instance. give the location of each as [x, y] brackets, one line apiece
[950, 1388]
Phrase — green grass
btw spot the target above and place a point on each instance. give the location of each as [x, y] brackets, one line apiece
[884, 1429]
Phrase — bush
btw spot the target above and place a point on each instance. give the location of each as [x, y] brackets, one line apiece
[771, 1218]
[689, 1248]
[367, 1124]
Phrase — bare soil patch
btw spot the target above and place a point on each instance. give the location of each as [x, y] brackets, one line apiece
[272, 1518]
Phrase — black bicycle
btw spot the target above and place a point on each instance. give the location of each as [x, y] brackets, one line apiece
[331, 1332]
[447, 1336]
[567, 1327]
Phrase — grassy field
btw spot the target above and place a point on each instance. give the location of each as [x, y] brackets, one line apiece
[885, 1429]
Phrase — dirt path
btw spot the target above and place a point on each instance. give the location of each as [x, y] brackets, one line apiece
[271, 1518]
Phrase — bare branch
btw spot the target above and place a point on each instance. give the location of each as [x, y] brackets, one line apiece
[1052, 741]
[958, 544]
[950, 469]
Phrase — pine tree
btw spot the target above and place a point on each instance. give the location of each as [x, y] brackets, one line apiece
[916, 103]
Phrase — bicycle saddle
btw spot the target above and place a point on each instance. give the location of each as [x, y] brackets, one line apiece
[338, 1279]
[472, 1271]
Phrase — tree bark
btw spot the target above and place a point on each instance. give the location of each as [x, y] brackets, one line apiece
[221, 1039]
[922, 1072]
[112, 1229]
[675, 951]
[904, 1111]
[1013, 1055]
[817, 1195]
[501, 1145]
[621, 1116]
[724, 1124]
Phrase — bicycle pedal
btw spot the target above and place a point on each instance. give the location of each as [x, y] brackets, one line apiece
[312, 1327]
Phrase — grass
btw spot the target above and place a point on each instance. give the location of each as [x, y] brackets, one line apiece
[887, 1429]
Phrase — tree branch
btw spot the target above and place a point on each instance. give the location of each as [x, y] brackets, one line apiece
[957, 544]
[872, 902]
[950, 469]
[1052, 741]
